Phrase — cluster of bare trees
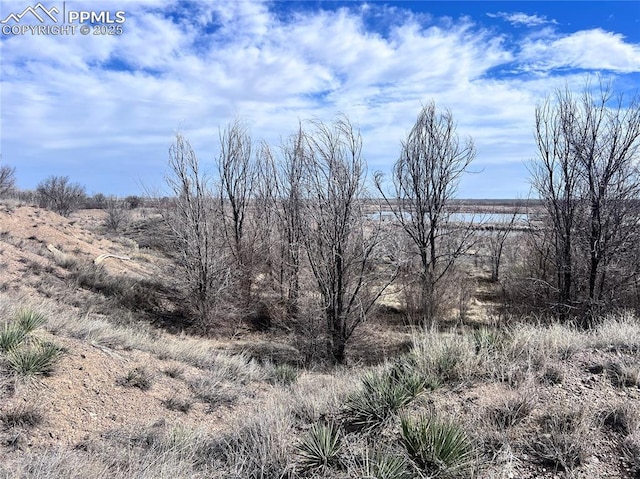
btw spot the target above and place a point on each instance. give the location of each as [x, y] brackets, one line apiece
[290, 232]
[587, 174]
[291, 226]
[7, 179]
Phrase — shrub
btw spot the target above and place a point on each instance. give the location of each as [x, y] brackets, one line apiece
[320, 447]
[437, 446]
[382, 395]
[117, 215]
[7, 179]
[133, 201]
[57, 193]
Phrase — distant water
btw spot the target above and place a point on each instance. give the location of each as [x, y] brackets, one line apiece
[478, 218]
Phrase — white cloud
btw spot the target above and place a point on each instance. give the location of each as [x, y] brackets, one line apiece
[100, 108]
[587, 49]
[520, 18]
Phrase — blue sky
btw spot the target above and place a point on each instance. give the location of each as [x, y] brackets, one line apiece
[104, 109]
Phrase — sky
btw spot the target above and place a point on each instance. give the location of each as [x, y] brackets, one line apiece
[104, 109]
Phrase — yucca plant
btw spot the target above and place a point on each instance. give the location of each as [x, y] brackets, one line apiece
[437, 446]
[382, 395]
[382, 465]
[487, 340]
[37, 359]
[29, 320]
[320, 447]
[11, 336]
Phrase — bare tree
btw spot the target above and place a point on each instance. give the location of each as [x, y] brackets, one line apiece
[238, 176]
[556, 176]
[339, 248]
[425, 178]
[587, 175]
[285, 182]
[193, 222]
[59, 194]
[497, 235]
[605, 138]
[117, 213]
[7, 179]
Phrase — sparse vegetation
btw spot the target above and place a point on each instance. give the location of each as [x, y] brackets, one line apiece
[563, 439]
[284, 374]
[22, 416]
[175, 372]
[177, 404]
[137, 378]
[513, 410]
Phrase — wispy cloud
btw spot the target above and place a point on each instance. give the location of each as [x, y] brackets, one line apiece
[520, 18]
[588, 49]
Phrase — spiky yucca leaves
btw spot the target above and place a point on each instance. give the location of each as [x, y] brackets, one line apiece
[11, 336]
[381, 396]
[38, 359]
[382, 465]
[320, 447]
[437, 446]
[14, 333]
[487, 340]
[29, 320]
